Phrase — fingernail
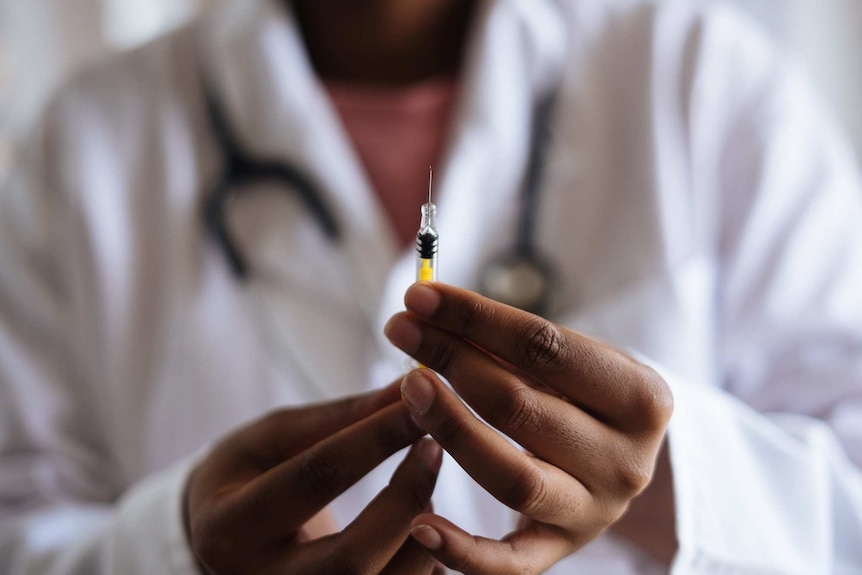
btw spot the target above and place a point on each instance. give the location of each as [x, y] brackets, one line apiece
[404, 333]
[427, 536]
[418, 392]
[431, 455]
[422, 299]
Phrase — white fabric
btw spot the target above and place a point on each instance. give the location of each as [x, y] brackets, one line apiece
[825, 35]
[701, 208]
[42, 41]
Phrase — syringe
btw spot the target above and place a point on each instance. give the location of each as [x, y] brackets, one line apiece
[426, 239]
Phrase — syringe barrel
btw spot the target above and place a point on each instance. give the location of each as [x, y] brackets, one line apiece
[426, 245]
[426, 269]
[426, 255]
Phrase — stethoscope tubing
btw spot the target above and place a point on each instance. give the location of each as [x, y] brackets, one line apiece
[533, 181]
[239, 170]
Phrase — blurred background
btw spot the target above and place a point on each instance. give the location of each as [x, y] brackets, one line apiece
[43, 40]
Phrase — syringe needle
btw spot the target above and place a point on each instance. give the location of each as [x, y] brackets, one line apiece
[427, 238]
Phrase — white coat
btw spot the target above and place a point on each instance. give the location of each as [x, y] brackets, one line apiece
[701, 208]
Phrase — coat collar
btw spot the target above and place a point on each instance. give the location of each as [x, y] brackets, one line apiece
[258, 64]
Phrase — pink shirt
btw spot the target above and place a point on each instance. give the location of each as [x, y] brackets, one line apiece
[398, 133]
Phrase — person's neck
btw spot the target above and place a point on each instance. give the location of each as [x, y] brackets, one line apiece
[384, 42]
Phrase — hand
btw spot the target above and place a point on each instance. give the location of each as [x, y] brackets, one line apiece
[591, 418]
[256, 504]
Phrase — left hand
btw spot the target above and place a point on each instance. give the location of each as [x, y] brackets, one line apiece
[591, 418]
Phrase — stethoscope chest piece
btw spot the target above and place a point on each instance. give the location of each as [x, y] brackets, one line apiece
[520, 279]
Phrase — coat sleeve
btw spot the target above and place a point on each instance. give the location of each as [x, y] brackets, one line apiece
[63, 507]
[766, 467]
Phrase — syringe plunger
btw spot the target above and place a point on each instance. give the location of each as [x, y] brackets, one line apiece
[426, 239]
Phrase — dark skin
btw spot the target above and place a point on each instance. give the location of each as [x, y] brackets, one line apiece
[253, 506]
[384, 42]
[591, 419]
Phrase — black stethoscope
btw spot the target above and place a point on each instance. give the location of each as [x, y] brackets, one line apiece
[520, 276]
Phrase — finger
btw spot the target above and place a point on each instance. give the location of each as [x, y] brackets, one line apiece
[322, 557]
[260, 446]
[286, 496]
[286, 432]
[382, 527]
[526, 484]
[549, 427]
[412, 558]
[600, 378]
[378, 535]
[531, 550]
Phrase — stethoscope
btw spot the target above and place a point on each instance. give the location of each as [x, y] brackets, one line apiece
[519, 276]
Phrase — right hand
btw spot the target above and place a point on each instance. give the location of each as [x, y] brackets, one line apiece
[248, 505]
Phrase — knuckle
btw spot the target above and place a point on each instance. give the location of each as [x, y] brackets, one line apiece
[412, 498]
[632, 476]
[443, 357]
[662, 397]
[466, 559]
[418, 496]
[475, 314]
[542, 345]
[520, 410]
[396, 434]
[527, 491]
[461, 564]
[654, 402]
[450, 431]
[321, 470]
